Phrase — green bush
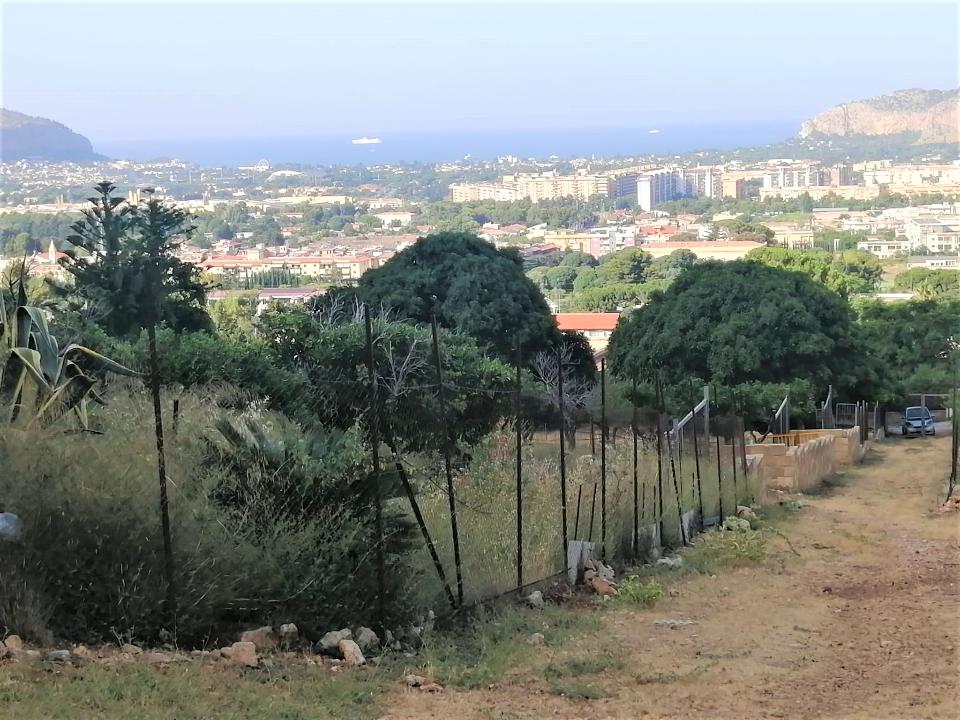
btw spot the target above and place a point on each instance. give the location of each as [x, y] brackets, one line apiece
[90, 565]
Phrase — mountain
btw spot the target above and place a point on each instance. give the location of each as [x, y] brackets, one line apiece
[929, 114]
[27, 137]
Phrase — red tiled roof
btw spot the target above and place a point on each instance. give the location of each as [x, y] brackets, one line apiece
[587, 321]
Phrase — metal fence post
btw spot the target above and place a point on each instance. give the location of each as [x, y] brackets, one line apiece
[636, 504]
[563, 454]
[446, 458]
[603, 459]
[519, 474]
[374, 421]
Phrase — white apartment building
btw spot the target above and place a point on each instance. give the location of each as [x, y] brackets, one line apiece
[659, 186]
[884, 248]
[938, 234]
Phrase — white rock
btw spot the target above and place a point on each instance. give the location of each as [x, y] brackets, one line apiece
[289, 633]
[58, 656]
[241, 653]
[537, 639]
[671, 562]
[14, 642]
[535, 600]
[350, 652]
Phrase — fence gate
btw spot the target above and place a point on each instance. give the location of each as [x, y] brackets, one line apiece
[846, 415]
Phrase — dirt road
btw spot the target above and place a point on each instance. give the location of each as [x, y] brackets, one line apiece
[864, 624]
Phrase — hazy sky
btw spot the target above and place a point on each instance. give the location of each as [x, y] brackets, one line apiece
[233, 69]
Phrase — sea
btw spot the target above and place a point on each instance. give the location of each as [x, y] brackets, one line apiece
[440, 147]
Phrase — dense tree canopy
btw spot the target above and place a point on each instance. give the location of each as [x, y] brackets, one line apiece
[471, 286]
[928, 282]
[735, 322]
[847, 273]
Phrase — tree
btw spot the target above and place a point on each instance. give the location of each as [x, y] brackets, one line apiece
[106, 254]
[575, 258]
[560, 278]
[625, 266]
[670, 266]
[737, 322]
[928, 283]
[471, 286]
[857, 275]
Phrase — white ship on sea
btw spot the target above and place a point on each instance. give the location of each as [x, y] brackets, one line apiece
[366, 141]
[653, 132]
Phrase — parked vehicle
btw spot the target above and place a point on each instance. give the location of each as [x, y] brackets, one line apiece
[917, 421]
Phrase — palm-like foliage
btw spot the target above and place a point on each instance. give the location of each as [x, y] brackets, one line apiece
[41, 378]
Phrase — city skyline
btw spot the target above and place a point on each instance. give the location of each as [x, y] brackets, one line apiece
[235, 70]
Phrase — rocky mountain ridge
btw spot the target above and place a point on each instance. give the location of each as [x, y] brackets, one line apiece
[930, 114]
[25, 137]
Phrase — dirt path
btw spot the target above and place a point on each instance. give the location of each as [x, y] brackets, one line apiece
[865, 624]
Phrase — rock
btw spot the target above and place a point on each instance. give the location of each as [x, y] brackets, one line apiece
[388, 638]
[746, 513]
[671, 562]
[602, 587]
[736, 524]
[241, 653]
[13, 642]
[83, 651]
[367, 640]
[674, 623]
[61, 656]
[158, 658]
[535, 600]
[289, 633]
[329, 644]
[536, 639]
[131, 649]
[5, 652]
[263, 638]
[431, 687]
[414, 680]
[350, 652]
[595, 568]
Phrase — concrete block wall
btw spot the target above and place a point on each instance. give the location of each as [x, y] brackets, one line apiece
[802, 467]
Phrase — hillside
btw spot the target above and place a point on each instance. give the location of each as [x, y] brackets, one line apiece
[27, 137]
[929, 114]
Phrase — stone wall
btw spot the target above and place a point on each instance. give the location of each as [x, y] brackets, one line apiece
[803, 466]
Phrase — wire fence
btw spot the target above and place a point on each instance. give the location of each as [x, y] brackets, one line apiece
[566, 468]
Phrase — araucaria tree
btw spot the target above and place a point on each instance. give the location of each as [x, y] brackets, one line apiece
[472, 287]
[105, 254]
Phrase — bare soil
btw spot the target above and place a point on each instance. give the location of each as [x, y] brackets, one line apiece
[865, 623]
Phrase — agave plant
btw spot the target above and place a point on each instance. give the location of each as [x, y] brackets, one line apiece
[42, 379]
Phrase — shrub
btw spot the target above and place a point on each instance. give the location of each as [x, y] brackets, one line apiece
[636, 591]
[90, 565]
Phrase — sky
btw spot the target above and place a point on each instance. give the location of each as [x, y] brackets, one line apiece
[121, 71]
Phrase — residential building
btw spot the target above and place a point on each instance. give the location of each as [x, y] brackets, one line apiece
[735, 188]
[703, 182]
[597, 327]
[938, 234]
[884, 248]
[394, 218]
[946, 262]
[849, 192]
[705, 249]
[318, 268]
[471, 192]
[659, 186]
[793, 237]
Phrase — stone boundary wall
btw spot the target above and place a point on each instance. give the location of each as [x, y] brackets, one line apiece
[800, 468]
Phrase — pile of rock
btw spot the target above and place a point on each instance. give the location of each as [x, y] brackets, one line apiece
[599, 578]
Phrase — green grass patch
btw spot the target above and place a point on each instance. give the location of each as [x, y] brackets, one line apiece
[190, 691]
[636, 591]
[576, 690]
[720, 549]
[580, 666]
[672, 677]
[481, 651]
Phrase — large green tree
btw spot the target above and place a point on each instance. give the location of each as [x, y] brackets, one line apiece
[114, 250]
[737, 322]
[848, 273]
[471, 286]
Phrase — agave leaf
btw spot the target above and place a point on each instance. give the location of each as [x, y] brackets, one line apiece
[31, 362]
[99, 362]
[66, 397]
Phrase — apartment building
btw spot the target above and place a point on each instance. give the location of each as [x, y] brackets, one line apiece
[938, 234]
[705, 249]
[317, 268]
[471, 192]
[884, 248]
[703, 182]
[733, 187]
[794, 177]
[659, 186]
[849, 192]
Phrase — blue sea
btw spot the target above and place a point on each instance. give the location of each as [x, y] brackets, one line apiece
[450, 146]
